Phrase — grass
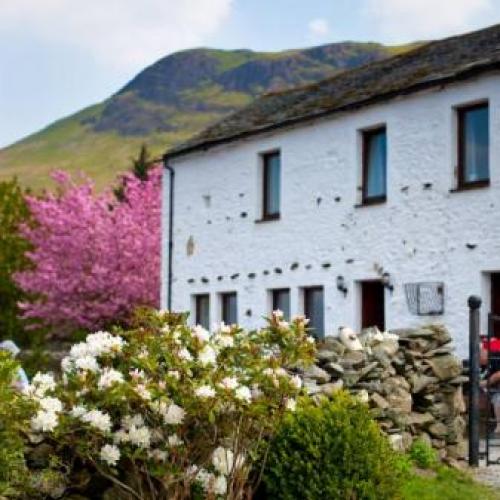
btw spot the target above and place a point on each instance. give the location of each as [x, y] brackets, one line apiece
[447, 484]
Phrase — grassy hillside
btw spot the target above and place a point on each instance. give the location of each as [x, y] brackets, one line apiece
[169, 101]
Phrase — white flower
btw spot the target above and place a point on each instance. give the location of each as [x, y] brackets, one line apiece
[278, 313]
[51, 404]
[165, 329]
[185, 354]
[44, 421]
[291, 404]
[223, 328]
[174, 415]
[43, 382]
[174, 440]
[284, 324]
[67, 364]
[310, 340]
[78, 411]
[121, 436]
[108, 377]
[100, 343]
[129, 420]
[140, 436]
[220, 486]
[79, 350]
[143, 392]
[243, 393]
[174, 374]
[97, 419]
[158, 455]
[205, 391]
[223, 460]
[136, 374]
[225, 340]
[207, 356]
[205, 478]
[296, 381]
[200, 333]
[110, 454]
[280, 372]
[88, 363]
[229, 383]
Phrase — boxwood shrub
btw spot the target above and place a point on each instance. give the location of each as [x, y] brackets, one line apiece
[331, 450]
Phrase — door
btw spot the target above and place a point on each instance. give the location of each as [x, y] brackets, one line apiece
[314, 310]
[372, 305]
[495, 301]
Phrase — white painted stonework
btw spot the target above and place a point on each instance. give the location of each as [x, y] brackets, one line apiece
[420, 233]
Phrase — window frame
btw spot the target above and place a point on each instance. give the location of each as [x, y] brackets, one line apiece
[305, 291]
[266, 215]
[462, 184]
[365, 136]
[274, 302]
[197, 308]
[223, 306]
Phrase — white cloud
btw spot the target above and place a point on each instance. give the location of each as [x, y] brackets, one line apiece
[123, 33]
[403, 20]
[319, 27]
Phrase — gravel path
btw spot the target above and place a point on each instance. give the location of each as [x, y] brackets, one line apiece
[489, 475]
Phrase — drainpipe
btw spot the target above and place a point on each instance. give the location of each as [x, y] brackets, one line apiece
[171, 172]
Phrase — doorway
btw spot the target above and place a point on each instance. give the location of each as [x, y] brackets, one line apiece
[495, 301]
[372, 305]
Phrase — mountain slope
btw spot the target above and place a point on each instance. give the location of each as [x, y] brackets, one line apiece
[168, 102]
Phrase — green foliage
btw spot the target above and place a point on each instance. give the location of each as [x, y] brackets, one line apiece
[446, 484]
[423, 455]
[332, 450]
[13, 247]
[15, 411]
[142, 164]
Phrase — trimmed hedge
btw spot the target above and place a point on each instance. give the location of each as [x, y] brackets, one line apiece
[333, 450]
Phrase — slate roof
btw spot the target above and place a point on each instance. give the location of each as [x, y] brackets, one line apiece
[433, 64]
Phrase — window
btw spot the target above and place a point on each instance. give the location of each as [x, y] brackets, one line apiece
[374, 165]
[202, 310]
[229, 313]
[281, 301]
[314, 310]
[473, 146]
[271, 185]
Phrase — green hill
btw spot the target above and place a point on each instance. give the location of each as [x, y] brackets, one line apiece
[168, 102]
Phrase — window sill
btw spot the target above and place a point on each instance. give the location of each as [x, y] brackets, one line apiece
[471, 185]
[371, 201]
[268, 218]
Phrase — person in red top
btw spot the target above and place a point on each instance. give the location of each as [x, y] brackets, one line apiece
[492, 376]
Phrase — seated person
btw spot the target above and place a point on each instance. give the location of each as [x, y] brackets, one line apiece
[21, 380]
[492, 380]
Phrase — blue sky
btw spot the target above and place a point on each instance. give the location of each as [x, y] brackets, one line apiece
[58, 56]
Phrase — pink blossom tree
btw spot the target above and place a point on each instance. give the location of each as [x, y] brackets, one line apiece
[95, 257]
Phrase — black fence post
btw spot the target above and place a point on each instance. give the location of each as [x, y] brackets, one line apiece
[474, 374]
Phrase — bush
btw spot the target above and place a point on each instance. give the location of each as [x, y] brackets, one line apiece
[164, 410]
[332, 450]
[423, 455]
[15, 412]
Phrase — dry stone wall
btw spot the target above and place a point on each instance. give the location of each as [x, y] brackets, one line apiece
[410, 379]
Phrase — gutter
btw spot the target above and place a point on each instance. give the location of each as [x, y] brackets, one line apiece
[171, 171]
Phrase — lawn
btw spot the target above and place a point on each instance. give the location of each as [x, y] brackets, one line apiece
[447, 484]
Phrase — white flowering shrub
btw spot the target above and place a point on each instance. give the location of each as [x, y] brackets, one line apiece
[165, 410]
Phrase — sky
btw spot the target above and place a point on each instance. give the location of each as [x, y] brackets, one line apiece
[58, 56]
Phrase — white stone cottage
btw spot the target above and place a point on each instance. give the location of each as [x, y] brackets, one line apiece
[372, 197]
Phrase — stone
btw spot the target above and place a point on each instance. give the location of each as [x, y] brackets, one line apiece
[438, 430]
[396, 441]
[39, 457]
[457, 451]
[420, 419]
[445, 367]
[334, 344]
[334, 368]
[352, 359]
[316, 373]
[379, 401]
[331, 388]
[400, 400]
[420, 381]
[326, 355]
[311, 387]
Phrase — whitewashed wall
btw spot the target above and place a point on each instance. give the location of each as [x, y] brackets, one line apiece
[418, 234]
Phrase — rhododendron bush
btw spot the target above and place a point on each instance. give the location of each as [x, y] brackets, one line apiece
[164, 410]
[95, 257]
